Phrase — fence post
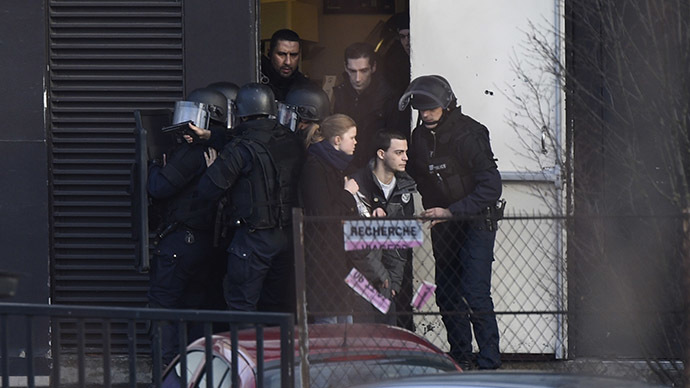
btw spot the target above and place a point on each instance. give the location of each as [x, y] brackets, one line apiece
[686, 263]
[300, 289]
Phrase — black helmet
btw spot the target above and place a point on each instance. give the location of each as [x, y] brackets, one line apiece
[255, 99]
[215, 101]
[228, 89]
[428, 92]
[310, 103]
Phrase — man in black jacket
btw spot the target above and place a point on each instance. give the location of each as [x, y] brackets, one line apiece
[257, 172]
[452, 162]
[388, 189]
[279, 69]
[368, 99]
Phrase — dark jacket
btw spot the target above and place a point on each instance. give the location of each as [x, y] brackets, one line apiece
[373, 110]
[454, 166]
[174, 189]
[400, 204]
[326, 262]
[280, 86]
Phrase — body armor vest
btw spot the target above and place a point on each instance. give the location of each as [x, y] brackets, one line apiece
[263, 198]
[451, 173]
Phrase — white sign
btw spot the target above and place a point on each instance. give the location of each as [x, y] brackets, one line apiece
[382, 233]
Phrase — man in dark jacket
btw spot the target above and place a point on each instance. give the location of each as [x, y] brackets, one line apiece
[279, 69]
[368, 99]
[180, 275]
[258, 171]
[388, 190]
[453, 164]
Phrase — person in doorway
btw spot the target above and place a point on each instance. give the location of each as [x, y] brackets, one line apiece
[256, 176]
[280, 69]
[367, 98]
[453, 164]
[396, 60]
[388, 190]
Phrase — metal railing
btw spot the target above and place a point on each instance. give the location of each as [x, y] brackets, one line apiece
[105, 317]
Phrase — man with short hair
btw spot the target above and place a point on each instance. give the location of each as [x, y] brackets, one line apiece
[366, 98]
[279, 69]
[388, 190]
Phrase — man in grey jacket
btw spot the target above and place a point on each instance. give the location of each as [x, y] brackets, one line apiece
[387, 190]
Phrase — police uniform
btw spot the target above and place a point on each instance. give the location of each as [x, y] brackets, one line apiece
[184, 253]
[257, 172]
[454, 168]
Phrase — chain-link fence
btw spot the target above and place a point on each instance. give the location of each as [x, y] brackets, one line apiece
[566, 295]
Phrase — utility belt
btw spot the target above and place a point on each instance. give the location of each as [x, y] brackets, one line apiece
[168, 228]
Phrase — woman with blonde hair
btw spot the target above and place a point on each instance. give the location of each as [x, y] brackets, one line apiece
[327, 191]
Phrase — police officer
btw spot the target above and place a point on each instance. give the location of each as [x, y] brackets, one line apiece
[257, 173]
[178, 278]
[229, 90]
[304, 109]
[452, 162]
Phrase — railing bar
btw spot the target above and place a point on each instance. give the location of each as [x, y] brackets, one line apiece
[55, 341]
[208, 337]
[132, 339]
[106, 354]
[76, 312]
[287, 352]
[234, 341]
[80, 354]
[30, 378]
[183, 355]
[260, 356]
[156, 352]
[4, 351]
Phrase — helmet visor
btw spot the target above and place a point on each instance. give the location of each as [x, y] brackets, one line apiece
[287, 116]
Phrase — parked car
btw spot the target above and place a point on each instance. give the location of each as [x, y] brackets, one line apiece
[508, 379]
[340, 355]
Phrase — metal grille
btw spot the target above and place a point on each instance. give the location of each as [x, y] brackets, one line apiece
[537, 292]
[107, 59]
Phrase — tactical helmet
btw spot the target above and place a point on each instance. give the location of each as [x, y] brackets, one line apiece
[428, 92]
[228, 89]
[255, 99]
[310, 103]
[215, 101]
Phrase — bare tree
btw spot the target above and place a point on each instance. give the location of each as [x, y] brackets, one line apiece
[626, 158]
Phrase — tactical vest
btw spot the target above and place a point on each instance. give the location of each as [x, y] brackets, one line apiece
[451, 175]
[264, 198]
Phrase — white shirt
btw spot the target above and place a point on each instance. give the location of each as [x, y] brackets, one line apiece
[386, 188]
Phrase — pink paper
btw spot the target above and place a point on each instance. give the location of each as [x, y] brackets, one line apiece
[423, 294]
[361, 285]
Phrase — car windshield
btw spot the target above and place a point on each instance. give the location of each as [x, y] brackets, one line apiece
[353, 372]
